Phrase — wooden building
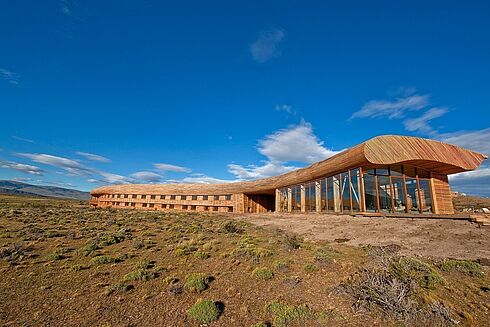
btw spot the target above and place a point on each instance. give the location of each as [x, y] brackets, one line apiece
[386, 174]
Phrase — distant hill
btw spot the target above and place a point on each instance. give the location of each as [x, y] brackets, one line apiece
[18, 188]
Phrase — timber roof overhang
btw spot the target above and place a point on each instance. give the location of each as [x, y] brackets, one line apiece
[432, 155]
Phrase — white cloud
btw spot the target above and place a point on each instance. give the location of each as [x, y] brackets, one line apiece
[28, 169]
[22, 139]
[266, 46]
[71, 166]
[93, 157]
[421, 123]
[147, 176]
[296, 143]
[478, 140]
[115, 178]
[9, 77]
[392, 108]
[286, 108]
[474, 174]
[269, 169]
[199, 179]
[60, 183]
[169, 167]
[472, 182]
[92, 180]
[73, 9]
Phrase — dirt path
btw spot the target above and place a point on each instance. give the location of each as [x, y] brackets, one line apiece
[438, 238]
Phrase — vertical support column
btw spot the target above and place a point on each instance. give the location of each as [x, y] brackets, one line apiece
[303, 198]
[361, 190]
[435, 206]
[318, 196]
[278, 200]
[239, 205]
[290, 200]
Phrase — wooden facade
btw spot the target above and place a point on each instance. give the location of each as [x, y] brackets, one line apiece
[395, 174]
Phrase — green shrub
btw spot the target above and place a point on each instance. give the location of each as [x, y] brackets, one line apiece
[202, 255]
[309, 268]
[56, 256]
[78, 267]
[197, 282]
[281, 264]
[184, 250]
[102, 260]
[325, 255]
[204, 311]
[285, 314]
[248, 246]
[88, 249]
[140, 274]
[145, 264]
[262, 273]
[232, 227]
[465, 266]
[292, 242]
[408, 269]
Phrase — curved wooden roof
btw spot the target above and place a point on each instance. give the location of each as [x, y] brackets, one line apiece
[382, 150]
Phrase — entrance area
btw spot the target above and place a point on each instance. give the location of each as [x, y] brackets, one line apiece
[257, 203]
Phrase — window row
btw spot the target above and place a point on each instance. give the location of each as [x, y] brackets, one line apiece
[173, 206]
[226, 197]
[389, 189]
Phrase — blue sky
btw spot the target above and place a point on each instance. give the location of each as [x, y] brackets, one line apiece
[97, 92]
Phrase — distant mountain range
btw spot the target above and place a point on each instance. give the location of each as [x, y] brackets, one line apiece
[18, 188]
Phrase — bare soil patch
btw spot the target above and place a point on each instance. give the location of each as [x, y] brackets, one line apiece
[437, 238]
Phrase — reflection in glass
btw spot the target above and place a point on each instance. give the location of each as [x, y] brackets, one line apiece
[307, 197]
[397, 186]
[412, 195]
[425, 197]
[336, 193]
[370, 193]
[323, 190]
[310, 196]
[345, 192]
[330, 195]
[384, 192]
[283, 200]
[355, 183]
[296, 198]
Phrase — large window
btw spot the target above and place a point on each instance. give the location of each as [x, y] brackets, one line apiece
[370, 194]
[412, 195]
[296, 198]
[398, 187]
[283, 199]
[337, 195]
[384, 193]
[323, 194]
[330, 196]
[425, 197]
[310, 196]
[345, 192]
[355, 186]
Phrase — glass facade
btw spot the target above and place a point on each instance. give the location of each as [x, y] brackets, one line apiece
[389, 189]
[355, 187]
[296, 198]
